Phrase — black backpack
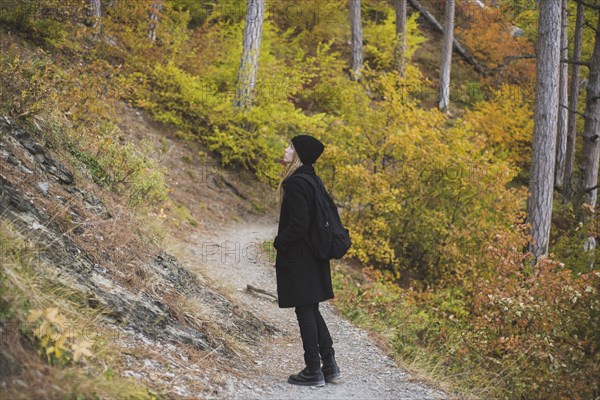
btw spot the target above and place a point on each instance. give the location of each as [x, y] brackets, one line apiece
[328, 239]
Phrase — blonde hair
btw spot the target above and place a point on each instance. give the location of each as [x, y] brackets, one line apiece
[287, 171]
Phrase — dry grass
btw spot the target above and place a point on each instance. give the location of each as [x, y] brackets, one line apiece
[31, 284]
[195, 313]
[42, 286]
[161, 378]
[117, 243]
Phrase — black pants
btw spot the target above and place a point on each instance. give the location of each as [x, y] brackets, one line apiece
[315, 335]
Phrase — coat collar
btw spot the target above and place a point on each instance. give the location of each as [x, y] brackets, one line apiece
[305, 169]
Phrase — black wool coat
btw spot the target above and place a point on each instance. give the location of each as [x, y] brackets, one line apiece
[301, 278]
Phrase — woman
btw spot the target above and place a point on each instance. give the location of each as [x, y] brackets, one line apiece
[302, 280]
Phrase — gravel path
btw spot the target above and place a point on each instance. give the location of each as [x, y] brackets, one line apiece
[230, 258]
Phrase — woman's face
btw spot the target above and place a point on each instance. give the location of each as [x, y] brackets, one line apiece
[288, 157]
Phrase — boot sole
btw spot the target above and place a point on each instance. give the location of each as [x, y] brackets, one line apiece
[317, 384]
[333, 378]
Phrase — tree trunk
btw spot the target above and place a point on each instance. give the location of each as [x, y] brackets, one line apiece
[357, 45]
[590, 156]
[561, 135]
[246, 80]
[541, 181]
[457, 46]
[573, 103]
[446, 58]
[155, 9]
[400, 49]
[591, 134]
[95, 14]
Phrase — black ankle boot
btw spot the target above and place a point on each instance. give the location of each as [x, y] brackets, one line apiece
[307, 377]
[330, 369]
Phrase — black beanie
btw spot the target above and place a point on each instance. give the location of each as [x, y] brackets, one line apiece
[308, 148]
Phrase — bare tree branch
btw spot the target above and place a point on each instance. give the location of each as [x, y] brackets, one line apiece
[592, 6]
[576, 62]
[589, 25]
[508, 60]
[251, 288]
[573, 111]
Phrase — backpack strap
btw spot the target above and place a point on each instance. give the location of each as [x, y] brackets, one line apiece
[317, 183]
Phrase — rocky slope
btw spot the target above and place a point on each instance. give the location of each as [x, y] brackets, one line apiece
[69, 225]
